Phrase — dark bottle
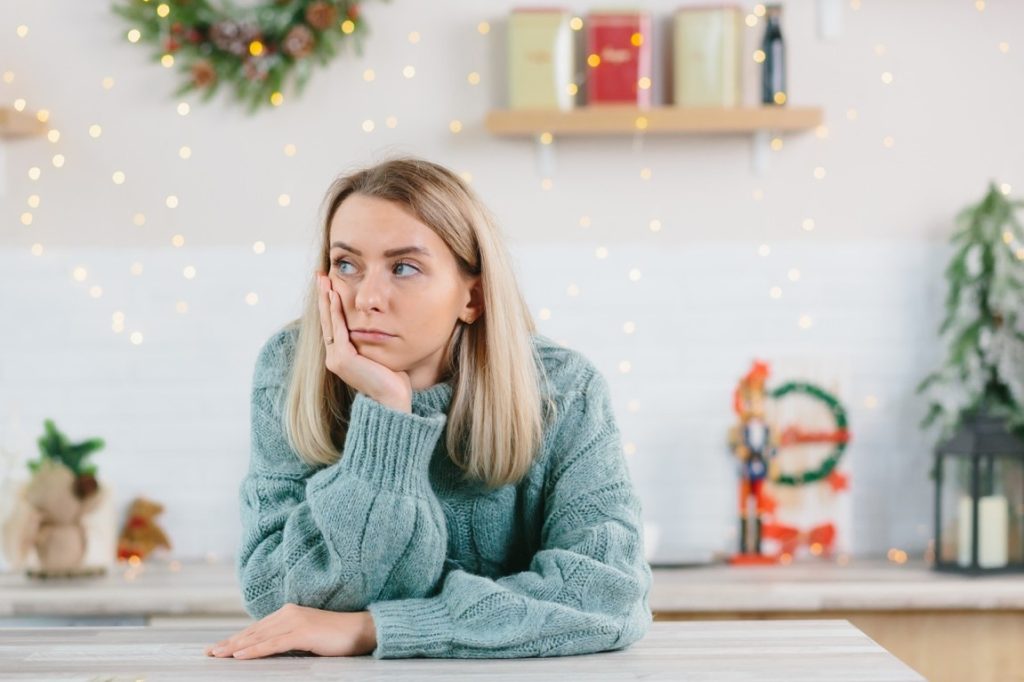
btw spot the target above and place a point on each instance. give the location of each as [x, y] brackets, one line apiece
[773, 68]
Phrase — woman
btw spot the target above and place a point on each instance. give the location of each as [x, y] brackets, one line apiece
[451, 485]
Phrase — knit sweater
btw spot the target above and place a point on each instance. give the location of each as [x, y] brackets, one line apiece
[551, 566]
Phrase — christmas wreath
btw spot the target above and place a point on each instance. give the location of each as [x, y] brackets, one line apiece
[261, 50]
[838, 437]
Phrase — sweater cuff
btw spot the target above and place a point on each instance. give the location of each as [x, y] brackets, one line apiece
[408, 628]
[386, 447]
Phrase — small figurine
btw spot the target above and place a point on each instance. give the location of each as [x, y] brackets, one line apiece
[141, 534]
[755, 444]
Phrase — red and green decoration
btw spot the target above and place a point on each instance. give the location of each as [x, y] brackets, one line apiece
[259, 52]
[838, 437]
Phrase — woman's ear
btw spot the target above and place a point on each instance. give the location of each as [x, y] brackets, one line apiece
[475, 308]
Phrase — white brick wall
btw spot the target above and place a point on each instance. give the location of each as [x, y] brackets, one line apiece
[174, 409]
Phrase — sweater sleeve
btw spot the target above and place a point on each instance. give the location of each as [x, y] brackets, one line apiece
[586, 589]
[367, 527]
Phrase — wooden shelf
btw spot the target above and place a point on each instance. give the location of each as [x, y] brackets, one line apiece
[15, 124]
[628, 119]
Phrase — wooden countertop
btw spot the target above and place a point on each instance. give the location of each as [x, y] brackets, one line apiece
[202, 588]
[790, 651]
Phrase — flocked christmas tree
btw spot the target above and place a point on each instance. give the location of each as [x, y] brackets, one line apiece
[984, 326]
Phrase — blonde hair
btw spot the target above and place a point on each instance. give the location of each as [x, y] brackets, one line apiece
[495, 424]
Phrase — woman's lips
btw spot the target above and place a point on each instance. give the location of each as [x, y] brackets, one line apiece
[370, 336]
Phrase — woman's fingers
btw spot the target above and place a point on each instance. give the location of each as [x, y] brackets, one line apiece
[268, 647]
[326, 326]
[338, 318]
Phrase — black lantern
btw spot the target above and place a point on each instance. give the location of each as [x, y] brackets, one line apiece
[979, 499]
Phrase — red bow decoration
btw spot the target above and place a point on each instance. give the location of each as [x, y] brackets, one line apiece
[791, 538]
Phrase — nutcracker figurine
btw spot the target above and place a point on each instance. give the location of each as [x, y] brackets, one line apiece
[755, 444]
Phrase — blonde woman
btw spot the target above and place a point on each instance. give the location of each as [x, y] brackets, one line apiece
[429, 475]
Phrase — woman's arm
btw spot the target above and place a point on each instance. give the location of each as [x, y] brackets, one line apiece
[586, 589]
[365, 528]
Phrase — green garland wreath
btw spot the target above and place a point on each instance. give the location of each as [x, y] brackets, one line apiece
[260, 51]
[839, 413]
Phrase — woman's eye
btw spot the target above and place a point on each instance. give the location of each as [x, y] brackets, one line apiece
[341, 261]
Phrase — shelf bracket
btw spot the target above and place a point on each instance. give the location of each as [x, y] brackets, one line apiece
[545, 156]
[760, 152]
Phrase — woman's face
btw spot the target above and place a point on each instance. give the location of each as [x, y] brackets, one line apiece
[416, 295]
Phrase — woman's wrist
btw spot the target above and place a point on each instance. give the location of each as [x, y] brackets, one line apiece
[368, 635]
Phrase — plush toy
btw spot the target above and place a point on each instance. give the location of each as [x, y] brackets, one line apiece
[59, 500]
[48, 514]
[140, 534]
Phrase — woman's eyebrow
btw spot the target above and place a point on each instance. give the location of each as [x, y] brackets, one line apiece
[388, 253]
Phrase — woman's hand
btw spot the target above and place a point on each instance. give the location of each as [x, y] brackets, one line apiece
[381, 383]
[301, 628]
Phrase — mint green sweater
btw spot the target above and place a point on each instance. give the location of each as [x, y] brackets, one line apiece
[551, 566]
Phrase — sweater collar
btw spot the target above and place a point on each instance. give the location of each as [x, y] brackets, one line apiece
[432, 399]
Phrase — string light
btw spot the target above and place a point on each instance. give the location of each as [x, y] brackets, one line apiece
[369, 75]
[107, 83]
[473, 78]
[483, 28]
[455, 126]
[634, 275]
[251, 298]
[409, 71]
[414, 37]
[185, 152]
[391, 121]
[95, 131]
[183, 108]
[283, 200]
[171, 201]
[368, 126]
[544, 314]
[118, 177]
[625, 366]
[22, 31]
[34, 173]
[654, 225]
[290, 150]
[259, 247]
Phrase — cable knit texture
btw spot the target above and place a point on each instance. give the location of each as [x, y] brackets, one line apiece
[551, 566]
